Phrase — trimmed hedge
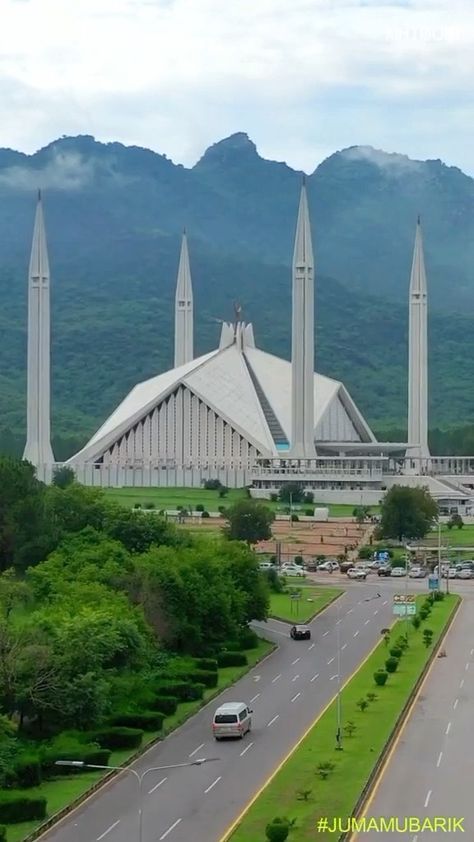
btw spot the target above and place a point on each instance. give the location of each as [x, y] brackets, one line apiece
[3, 833]
[182, 690]
[206, 664]
[166, 705]
[118, 737]
[149, 720]
[16, 808]
[27, 771]
[87, 753]
[248, 639]
[206, 677]
[232, 659]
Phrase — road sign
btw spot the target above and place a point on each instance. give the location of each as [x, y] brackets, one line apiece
[295, 596]
[404, 598]
[401, 609]
[433, 583]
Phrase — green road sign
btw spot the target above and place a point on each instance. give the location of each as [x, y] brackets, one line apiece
[404, 609]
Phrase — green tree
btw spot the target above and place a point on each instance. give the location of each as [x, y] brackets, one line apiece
[75, 507]
[25, 534]
[14, 592]
[138, 531]
[64, 476]
[407, 513]
[277, 830]
[292, 492]
[249, 521]
[245, 575]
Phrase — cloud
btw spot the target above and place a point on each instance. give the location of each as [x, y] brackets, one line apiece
[301, 78]
[392, 164]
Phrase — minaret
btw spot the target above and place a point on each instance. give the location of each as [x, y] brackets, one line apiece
[418, 355]
[302, 339]
[38, 449]
[183, 329]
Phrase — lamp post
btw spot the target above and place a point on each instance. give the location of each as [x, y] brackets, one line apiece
[439, 554]
[78, 764]
[338, 701]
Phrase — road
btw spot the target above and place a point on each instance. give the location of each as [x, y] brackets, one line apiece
[430, 771]
[286, 692]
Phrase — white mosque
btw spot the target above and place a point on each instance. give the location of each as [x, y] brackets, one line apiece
[244, 416]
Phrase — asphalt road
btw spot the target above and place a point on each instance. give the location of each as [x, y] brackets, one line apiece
[286, 692]
[430, 772]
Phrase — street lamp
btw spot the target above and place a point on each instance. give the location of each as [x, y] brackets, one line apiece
[338, 701]
[79, 764]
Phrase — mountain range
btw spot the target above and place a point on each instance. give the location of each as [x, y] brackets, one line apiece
[115, 215]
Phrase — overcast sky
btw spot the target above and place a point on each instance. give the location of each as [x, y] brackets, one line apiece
[302, 77]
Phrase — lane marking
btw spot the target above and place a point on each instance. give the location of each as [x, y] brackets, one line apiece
[315, 677]
[212, 785]
[366, 622]
[339, 621]
[196, 750]
[385, 603]
[311, 647]
[439, 759]
[343, 646]
[472, 652]
[455, 704]
[333, 677]
[350, 611]
[376, 612]
[427, 799]
[331, 660]
[326, 633]
[109, 829]
[273, 720]
[356, 633]
[415, 838]
[246, 749]
[157, 785]
[294, 679]
[276, 678]
[448, 729]
[172, 827]
[295, 661]
[461, 684]
[467, 666]
[254, 698]
[295, 697]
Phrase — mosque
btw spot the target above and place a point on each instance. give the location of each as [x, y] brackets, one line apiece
[242, 415]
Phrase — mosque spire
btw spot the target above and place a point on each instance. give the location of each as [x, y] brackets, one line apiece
[38, 449]
[183, 334]
[302, 354]
[418, 354]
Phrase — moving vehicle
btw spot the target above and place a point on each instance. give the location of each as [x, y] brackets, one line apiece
[292, 570]
[384, 570]
[357, 573]
[417, 573]
[232, 719]
[300, 633]
[398, 571]
[328, 565]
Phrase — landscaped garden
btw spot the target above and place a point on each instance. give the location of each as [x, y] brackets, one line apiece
[319, 780]
[309, 601]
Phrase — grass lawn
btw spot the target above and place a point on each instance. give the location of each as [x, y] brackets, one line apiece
[312, 601]
[337, 795]
[171, 498]
[455, 537]
[64, 790]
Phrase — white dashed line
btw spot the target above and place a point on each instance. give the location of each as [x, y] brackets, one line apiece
[295, 661]
[427, 799]
[333, 677]
[311, 647]
[104, 834]
[246, 749]
[343, 646]
[273, 720]
[472, 652]
[366, 622]
[467, 666]
[415, 838]
[276, 678]
[439, 759]
[196, 750]
[295, 678]
[461, 684]
[315, 677]
[455, 704]
[448, 729]
[356, 633]
[350, 611]
[254, 698]
[339, 621]
[296, 697]
[325, 634]
[157, 785]
[172, 827]
[376, 612]
[331, 660]
[385, 603]
[212, 785]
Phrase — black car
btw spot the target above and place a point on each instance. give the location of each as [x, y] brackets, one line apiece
[385, 570]
[300, 633]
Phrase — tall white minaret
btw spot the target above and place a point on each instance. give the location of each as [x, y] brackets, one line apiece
[302, 339]
[418, 355]
[183, 327]
[38, 449]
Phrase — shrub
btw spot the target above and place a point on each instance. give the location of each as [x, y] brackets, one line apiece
[362, 704]
[119, 737]
[206, 664]
[391, 664]
[3, 833]
[277, 830]
[325, 768]
[199, 507]
[309, 512]
[65, 747]
[16, 808]
[402, 642]
[232, 659]
[366, 552]
[181, 689]
[439, 596]
[396, 652]
[230, 646]
[166, 704]
[274, 497]
[248, 639]
[427, 637]
[205, 514]
[350, 728]
[148, 720]
[299, 559]
[149, 505]
[424, 613]
[137, 505]
[416, 622]
[380, 677]
[206, 677]
[196, 691]
[294, 518]
[372, 697]
[27, 771]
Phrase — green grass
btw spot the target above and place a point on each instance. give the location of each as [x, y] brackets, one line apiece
[337, 796]
[63, 791]
[455, 537]
[300, 611]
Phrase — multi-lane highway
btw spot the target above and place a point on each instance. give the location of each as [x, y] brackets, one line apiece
[429, 773]
[286, 692]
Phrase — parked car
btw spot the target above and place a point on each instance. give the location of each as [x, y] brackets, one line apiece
[265, 565]
[398, 571]
[300, 633]
[345, 566]
[233, 719]
[328, 566]
[417, 573]
[384, 570]
[357, 573]
[292, 570]
[311, 566]
[466, 573]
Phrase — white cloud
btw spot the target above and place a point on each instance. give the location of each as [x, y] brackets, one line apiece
[302, 78]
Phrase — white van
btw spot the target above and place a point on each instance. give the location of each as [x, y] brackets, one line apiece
[233, 719]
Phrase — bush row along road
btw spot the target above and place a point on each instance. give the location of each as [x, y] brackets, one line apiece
[430, 770]
[286, 692]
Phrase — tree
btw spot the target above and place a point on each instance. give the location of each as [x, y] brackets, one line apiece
[243, 568]
[249, 521]
[25, 534]
[64, 476]
[277, 830]
[14, 592]
[361, 513]
[292, 492]
[407, 513]
[455, 520]
[138, 531]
